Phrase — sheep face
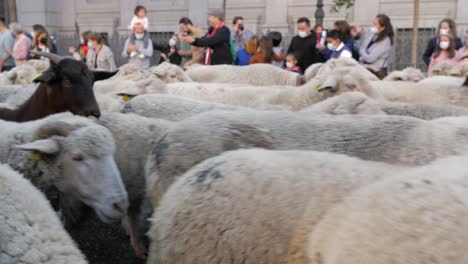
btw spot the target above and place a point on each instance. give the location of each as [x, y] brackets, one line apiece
[82, 165]
[170, 73]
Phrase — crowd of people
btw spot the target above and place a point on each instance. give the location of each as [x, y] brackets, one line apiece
[238, 46]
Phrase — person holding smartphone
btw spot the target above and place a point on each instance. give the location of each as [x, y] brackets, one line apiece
[239, 35]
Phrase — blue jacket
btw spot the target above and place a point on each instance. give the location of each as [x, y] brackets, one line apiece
[326, 53]
[243, 57]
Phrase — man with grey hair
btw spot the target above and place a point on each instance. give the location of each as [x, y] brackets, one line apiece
[6, 43]
[139, 47]
[22, 44]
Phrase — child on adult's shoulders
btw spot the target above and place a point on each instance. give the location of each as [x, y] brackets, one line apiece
[140, 17]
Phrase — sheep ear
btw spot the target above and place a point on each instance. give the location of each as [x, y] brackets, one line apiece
[329, 85]
[46, 146]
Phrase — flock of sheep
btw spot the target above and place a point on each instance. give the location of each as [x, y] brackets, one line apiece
[227, 164]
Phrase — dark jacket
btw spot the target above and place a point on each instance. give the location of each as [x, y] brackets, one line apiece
[431, 48]
[305, 48]
[220, 43]
[350, 43]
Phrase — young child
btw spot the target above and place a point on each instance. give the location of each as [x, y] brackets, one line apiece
[172, 55]
[336, 47]
[279, 51]
[444, 52]
[140, 16]
[291, 63]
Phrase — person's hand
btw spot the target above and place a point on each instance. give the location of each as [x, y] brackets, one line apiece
[181, 53]
[72, 50]
[131, 48]
[189, 39]
[164, 57]
[319, 46]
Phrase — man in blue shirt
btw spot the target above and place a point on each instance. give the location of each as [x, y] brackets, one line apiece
[239, 35]
[6, 43]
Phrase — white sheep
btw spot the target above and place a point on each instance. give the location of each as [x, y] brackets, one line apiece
[245, 206]
[30, 230]
[170, 73]
[417, 217]
[260, 97]
[130, 72]
[392, 139]
[175, 108]
[256, 74]
[408, 74]
[116, 86]
[442, 68]
[24, 74]
[359, 103]
[40, 65]
[70, 153]
[134, 136]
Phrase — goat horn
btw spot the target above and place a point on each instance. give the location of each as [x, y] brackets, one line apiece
[52, 57]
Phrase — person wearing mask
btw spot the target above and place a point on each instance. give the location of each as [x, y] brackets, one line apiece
[277, 49]
[81, 52]
[336, 47]
[291, 64]
[6, 43]
[344, 30]
[217, 42]
[244, 55]
[376, 47]
[446, 26]
[38, 28]
[265, 52]
[41, 43]
[171, 54]
[190, 54]
[139, 47]
[444, 52]
[21, 46]
[100, 57]
[304, 44]
[239, 35]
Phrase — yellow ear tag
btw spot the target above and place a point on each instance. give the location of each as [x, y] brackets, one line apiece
[35, 155]
[37, 76]
[125, 98]
[317, 87]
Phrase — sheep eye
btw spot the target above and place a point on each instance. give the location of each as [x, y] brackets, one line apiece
[77, 157]
[173, 76]
[67, 82]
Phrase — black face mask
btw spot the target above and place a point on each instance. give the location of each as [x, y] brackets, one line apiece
[43, 41]
[358, 37]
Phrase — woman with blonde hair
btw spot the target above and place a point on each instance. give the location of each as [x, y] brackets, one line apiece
[244, 55]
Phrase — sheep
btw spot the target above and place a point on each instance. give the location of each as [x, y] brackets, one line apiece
[257, 74]
[30, 230]
[442, 68]
[39, 65]
[260, 97]
[409, 74]
[116, 86]
[175, 108]
[71, 154]
[24, 74]
[345, 66]
[442, 80]
[416, 217]
[170, 73]
[359, 103]
[239, 207]
[130, 72]
[134, 136]
[11, 94]
[312, 71]
[392, 139]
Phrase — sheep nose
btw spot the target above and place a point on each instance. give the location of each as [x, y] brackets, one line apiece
[96, 114]
[121, 205]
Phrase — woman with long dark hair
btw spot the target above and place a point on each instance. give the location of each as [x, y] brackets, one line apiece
[41, 43]
[446, 26]
[376, 47]
[265, 53]
[444, 52]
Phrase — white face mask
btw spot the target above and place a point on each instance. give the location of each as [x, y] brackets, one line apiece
[444, 31]
[90, 45]
[444, 45]
[302, 34]
[330, 46]
[374, 30]
[289, 65]
[139, 36]
[172, 42]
